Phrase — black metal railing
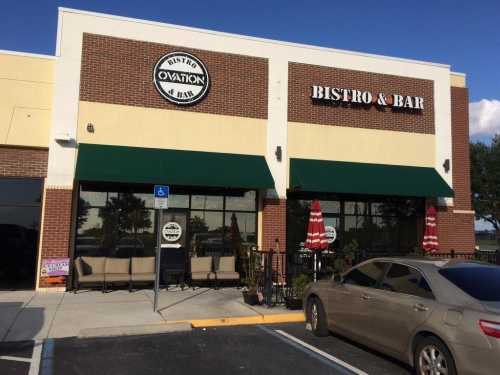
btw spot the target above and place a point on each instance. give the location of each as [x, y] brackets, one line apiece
[328, 264]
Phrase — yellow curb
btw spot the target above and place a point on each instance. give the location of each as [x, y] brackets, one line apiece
[243, 320]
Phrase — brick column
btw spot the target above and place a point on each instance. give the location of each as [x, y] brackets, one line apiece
[456, 223]
[56, 227]
[274, 224]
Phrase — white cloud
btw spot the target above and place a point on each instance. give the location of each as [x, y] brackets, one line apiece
[484, 117]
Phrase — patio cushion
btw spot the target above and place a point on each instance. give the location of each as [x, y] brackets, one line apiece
[111, 277]
[143, 265]
[93, 278]
[117, 265]
[143, 277]
[201, 264]
[228, 276]
[203, 276]
[226, 264]
[93, 265]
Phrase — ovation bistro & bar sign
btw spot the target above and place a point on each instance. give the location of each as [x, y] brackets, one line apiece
[340, 95]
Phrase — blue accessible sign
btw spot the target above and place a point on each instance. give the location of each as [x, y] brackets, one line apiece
[161, 193]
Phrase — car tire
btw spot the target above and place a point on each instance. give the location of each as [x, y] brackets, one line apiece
[432, 354]
[316, 316]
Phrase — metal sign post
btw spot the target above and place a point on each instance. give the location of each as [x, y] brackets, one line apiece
[161, 202]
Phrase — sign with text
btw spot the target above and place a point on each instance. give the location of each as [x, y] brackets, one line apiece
[55, 267]
[173, 229]
[343, 95]
[181, 78]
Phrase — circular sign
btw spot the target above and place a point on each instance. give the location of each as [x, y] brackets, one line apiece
[330, 233]
[171, 231]
[181, 78]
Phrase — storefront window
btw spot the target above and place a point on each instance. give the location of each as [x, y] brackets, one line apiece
[383, 226]
[121, 223]
[246, 202]
[119, 226]
[207, 202]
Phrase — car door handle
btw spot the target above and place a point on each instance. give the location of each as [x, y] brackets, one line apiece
[420, 307]
[366, 297]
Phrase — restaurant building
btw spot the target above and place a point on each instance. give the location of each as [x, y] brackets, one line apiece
[245, 131]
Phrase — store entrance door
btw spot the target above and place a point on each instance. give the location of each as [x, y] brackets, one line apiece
[20, 200]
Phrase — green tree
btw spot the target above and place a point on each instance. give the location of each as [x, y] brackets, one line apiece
[485, 182]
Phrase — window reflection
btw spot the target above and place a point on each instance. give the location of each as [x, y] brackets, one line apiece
[122, 224]
[123, 227]
[242, 203]
[207, 202]
[206, 233]
[391, 225]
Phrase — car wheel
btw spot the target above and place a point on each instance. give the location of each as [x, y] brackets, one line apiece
[432, 357]
[317, 318]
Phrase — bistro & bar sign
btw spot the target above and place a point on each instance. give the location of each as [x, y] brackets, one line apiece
[334, 94]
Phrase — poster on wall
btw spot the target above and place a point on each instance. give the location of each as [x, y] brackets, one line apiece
[55, 267]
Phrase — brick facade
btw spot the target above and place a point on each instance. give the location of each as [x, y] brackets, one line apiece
[23, 162]
[274, 224]
[301, 108]
[456, 229]
[56, 226]
[120, 71]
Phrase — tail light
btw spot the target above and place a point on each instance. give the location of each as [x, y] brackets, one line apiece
[490, 328]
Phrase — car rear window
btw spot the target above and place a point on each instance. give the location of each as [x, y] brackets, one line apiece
[480, 282]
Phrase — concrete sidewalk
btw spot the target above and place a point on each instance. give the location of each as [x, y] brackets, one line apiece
[26, 315]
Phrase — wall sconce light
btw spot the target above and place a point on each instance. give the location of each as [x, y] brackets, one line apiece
[278, 153]
[446, 165]
[90, 127]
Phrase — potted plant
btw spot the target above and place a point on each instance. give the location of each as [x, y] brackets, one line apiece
[293, 300]
[249, 292]
[250, 295]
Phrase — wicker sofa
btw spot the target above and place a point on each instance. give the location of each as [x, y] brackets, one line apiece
[203, 271]
[106, 271]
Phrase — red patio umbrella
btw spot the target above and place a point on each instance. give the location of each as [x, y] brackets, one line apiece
[316, 236]
[430, 243]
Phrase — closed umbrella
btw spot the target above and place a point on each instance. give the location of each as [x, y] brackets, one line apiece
[316, 237]
[430, 244]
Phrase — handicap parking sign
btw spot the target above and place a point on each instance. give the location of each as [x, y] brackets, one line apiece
[161, 191]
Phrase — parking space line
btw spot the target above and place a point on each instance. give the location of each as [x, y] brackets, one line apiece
[36, 357]
[13, 358]
[321, 353]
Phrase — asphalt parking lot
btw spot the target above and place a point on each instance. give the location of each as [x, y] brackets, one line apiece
[20, 358]
[271, 349]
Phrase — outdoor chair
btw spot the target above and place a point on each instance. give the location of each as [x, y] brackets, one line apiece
[201, 270]
[116, 270]
[89, 270]
[226, 270]
[143, 270]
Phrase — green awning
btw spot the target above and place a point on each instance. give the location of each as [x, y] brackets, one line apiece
[174, 167]
[361, 178]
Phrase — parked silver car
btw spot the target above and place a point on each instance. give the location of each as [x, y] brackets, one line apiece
[440, 316]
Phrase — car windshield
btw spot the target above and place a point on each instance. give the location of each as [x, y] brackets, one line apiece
[479, 281]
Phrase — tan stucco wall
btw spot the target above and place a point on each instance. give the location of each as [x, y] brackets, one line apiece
[26, 89]
[323, 142]
[458, 80]
[178, 130]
